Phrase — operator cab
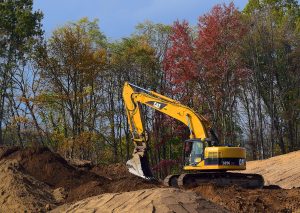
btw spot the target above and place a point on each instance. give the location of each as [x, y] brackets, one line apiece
[193, 152]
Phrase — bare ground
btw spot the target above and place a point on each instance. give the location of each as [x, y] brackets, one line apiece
[236, 199]
[38, 180]
[145, 200]
[282, 170]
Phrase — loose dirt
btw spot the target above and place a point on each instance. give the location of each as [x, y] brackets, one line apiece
[148, 201]
[20, 192]
[53, 170]
[236, 199]
[38, 180]
[282, 170]
[121, 179]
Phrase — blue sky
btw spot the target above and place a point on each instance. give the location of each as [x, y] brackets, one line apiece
[117, 18]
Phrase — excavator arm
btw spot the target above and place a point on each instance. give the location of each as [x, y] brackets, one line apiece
[138, 165]
[197, 124]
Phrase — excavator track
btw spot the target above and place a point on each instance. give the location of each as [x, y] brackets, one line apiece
[190, 180]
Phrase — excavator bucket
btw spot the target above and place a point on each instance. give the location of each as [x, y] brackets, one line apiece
[139, 166]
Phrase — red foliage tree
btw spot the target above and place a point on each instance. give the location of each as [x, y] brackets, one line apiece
[221, 71]
[181, 72]
[179, 62]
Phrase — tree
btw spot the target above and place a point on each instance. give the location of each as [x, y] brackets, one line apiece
[271, 49]
[162, 129]
[220, 69]
[179, 64]
[71, 67]
[180, 76]
[20, 27]
[133, 60]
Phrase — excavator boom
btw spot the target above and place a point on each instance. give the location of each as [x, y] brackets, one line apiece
[139, 165]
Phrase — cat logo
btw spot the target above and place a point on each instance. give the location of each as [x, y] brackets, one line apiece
[157, 105]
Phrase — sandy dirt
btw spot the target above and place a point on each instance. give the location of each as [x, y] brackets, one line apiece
[147, 200]
[282, 170]
[19, 192]
[236, 199]
[38, 180]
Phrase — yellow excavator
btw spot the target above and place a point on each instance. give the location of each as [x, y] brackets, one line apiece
[205, 160]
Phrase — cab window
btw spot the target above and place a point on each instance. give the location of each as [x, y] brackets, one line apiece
[193, 153]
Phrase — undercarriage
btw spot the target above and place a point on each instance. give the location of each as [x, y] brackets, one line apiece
[189, 180]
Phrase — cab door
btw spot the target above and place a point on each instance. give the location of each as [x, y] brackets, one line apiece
[193, 152]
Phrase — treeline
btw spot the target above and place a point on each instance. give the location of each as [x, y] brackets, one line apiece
[240, 69]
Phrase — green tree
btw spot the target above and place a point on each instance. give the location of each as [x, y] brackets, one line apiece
[271, 52]
[133, 59]
[20, 28]
[71, 67]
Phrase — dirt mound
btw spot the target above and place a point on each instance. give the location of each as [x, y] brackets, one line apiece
[282, 170]
[53, 170]
[47, 179]
[150, 200]
[279, 172]
[256, 200]
[112, 171]
[19, 192]
[121, 179]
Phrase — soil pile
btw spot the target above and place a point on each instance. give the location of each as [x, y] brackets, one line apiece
[271, 199]
[53, 170]
[149, 200]
[36, 179]
[20, 192]
[282, 170]
[121, 179]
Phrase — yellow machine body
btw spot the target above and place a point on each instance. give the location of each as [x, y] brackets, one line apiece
[221, 158]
